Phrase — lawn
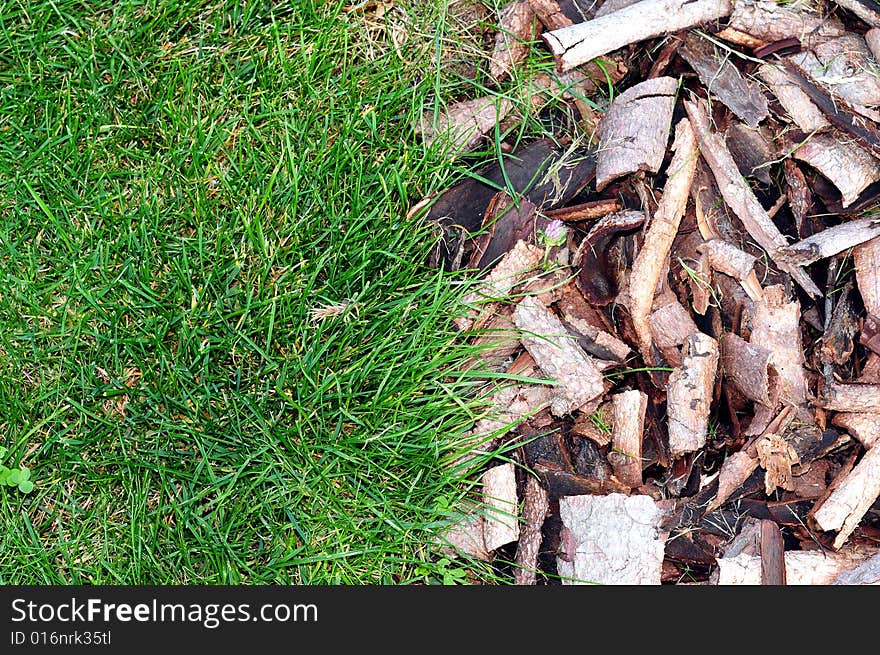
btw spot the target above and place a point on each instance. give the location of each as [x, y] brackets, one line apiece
[222, 357]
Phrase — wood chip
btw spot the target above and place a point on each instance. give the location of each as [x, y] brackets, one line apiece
[690, 395]
[805, 114]
[613, 539]
[850, 168]
[845, 67]
[724, 81]
[579, 382]
[747, 366]
[635, 129]
[864, 426]
[499, 497]
[770, 21]
[740, 197]
[629, 423]
[867, 572]
[462, 125]
[850, 397]
[670, 323]
[516, 27]
[802, 567]
[776, 456]
[581, 42]
[854, 495]
[535, 505]
[652, 257]
[735, 470]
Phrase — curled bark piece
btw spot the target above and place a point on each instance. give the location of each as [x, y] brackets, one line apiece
[578, 380]
[848, 166]
[629, 422]
[833, 240]
[513, 268]
[726, 258]
[867, 10]
[802, 567]
[516, 27]
[776, 327]
[866, 258]
[846, 68]
[847, 504]
[769, 21]
[690, 395]
[723, 80]
[805, 114]
[650, 261]
[851, 397]
[499, 497]
[670, 323]
[739, 196]
[748, 368]
[613, 539]
[592, 257]
[864, 426]
[535, 505]
[463, 124]
[777, 457]
[635, 129]
[579, 43]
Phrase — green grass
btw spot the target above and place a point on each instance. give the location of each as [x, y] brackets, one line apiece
[182, 184]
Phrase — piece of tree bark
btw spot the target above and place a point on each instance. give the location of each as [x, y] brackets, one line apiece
[800, 197]
[613, 539]
[722, 79]
[651, 259]
[585, 211]
[461, 126]
[805, 114]
[846, 68]
[734, 472]
[724, 257]
[867, 572]
[513, 268]
[499, 496]
[464, 535]
[776, 327]
[769, 21]
[592, 259]
[850, 397]
[866, 259]
[872, 38]
[535, 505]
[752, 150]
[565, 483]
[497, 342]
[506, 221]
[626, 447]
[772, 554]
[870, 337]
[867, 10]
[864, 426]
[670, 322]
[690, 395]
[556, 14]
[776, 456]
[740, 38]
[516, 27]
[847, 504]
[579, 43]
[740, 197]
[850, 168]
[579, 384]
[610, 6]
[802, 567]
[833, 240]
[713, 221]
[635, 129]
[838, 339]
[747, 366]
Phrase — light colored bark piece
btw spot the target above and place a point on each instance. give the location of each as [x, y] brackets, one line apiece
[847, 504]
[463, 124]
[833, 240]
[690, 395]
[635, 129]
[770, 21]
[652, 258]
[513, 268]
[805, 114]
[776, 327]
[497, 342]
[499, 496]
[740, 197]
[536, 501]
[579, 43]
[578, 380]
[612, 539]
[850, 168]
[851, 397]
[867, 572]
[864, 426]
[724, 257]
[516, 27]
[845, 67]
[626, 436]
[735, 470]
[866, 258]
[802, 567]
[740, 38]
[610, 6]
[671, 324]
[747, 366]
[867, 10]
[776, 456]
[465, 536]
[722, 79]
[872, 38]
